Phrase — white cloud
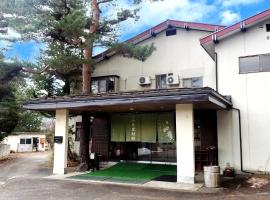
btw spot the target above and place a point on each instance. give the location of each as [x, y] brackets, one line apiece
[229, 17]
[228, 3]
[154, 13]
[10, 35]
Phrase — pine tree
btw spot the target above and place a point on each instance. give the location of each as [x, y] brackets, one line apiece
[72, 29]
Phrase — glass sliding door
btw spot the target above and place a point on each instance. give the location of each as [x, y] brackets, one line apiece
[143, 137]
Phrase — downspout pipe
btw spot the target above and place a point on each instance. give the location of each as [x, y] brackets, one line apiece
[240, 141]
[216, 67]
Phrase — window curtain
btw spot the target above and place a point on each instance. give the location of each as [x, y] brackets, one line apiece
[133, 128]
[118, 128]
[148, 128]
[143, 128]
[166, 128]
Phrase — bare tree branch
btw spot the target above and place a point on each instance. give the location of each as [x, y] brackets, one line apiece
[104, 1]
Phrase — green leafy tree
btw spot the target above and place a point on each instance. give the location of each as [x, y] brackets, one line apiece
[28, 121]
[72, 29]
[8, 105]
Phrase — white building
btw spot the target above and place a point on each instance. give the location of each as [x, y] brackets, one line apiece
[26, 141]
[196, 101]
[242, 54]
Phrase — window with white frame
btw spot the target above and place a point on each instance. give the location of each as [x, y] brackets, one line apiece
[25, 141]
[193, 82]
[256, 63]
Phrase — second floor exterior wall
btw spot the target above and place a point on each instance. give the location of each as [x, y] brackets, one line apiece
[180, 54]
[250, 93]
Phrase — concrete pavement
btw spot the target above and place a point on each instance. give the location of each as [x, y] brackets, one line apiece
[22, 179]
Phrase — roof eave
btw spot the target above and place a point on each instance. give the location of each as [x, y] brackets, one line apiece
[177, 96]
[231, 30]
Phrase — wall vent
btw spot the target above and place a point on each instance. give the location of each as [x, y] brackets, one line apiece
[170, 32]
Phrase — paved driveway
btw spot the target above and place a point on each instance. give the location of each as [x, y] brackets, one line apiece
[21, 179]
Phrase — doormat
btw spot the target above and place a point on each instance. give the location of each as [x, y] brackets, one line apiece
[166, 178]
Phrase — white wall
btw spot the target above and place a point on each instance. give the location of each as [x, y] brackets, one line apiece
[180, 54]
[250, 93]
[14, 142]
[228, 139]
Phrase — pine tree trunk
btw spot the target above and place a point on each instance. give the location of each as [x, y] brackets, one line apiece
[86, 82]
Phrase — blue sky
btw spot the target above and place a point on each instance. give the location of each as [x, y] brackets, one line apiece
[225, 12]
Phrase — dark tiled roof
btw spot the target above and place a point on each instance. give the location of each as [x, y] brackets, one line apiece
[132, 96]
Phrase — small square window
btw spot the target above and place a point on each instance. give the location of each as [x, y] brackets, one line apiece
[22, 141]
[267, 27]
[28, 141]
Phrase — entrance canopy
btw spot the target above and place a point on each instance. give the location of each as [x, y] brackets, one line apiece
[147, 100]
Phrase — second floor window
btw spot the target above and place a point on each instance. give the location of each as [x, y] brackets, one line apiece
[193, 82]
[161, 81]
[104, 84]
[257, 63]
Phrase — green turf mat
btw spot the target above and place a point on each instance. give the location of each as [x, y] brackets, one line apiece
[136, 173]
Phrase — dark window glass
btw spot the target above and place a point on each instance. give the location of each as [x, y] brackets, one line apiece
[249, 64]
[111, 84]
[28, 141]
[161, 81]
[171, 32]
[22, 141]
[159, 152]
[267, 27]
[144, 151]
[171, 153]
[102, 85]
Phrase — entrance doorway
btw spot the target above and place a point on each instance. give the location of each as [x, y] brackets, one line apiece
[205, 138]
[205, 141]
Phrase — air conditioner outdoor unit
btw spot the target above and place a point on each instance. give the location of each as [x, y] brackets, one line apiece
[145, 80]
[172, 79]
